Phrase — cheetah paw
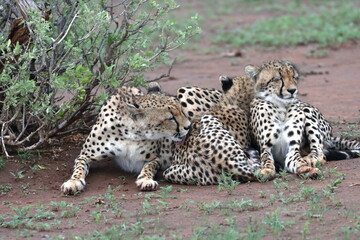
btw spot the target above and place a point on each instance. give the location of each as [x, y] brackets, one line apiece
[308, 172]
[73, 186]
[146, 184]
[266, 174]
[312, 162]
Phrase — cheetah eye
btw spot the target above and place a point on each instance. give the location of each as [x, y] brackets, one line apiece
[296, 78]
[171, 118]
[277, 78]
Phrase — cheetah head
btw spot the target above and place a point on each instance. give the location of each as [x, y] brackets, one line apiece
[274, 80]
[159, 120]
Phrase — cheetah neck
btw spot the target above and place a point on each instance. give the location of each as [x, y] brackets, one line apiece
[281, 103]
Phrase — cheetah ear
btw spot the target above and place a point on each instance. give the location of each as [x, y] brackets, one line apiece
[252, 71]
[154, 87]
[226, 83]
[296, 69]
[134, 110]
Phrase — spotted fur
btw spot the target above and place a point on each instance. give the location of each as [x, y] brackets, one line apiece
[219, 139]
[137, 131]
[284, 127]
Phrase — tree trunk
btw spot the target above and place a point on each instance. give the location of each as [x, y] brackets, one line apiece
[24, 6]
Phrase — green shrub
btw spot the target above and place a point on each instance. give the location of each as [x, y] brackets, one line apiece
[77, 58]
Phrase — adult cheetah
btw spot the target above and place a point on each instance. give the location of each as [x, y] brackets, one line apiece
[137, 131]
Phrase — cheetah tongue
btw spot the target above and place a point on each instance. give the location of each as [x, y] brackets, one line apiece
[182, 141]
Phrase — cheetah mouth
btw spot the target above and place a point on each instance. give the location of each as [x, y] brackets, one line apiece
[182, 140]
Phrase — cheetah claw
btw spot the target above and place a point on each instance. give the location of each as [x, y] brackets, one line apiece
[146, 184]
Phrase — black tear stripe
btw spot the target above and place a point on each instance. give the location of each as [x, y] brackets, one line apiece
[282, 86]
[177, 126]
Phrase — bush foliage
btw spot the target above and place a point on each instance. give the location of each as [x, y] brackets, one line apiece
[53, 84]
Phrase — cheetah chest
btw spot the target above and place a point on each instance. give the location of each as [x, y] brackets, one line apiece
[132, 155]
[282, 125]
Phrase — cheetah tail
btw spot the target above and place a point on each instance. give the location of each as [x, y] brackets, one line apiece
[342, 148]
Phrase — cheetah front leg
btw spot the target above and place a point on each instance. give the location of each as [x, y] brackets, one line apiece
[94, 149]
[77, 181]
[145, 181]
[265, 128]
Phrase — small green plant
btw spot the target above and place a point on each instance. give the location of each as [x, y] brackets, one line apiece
[307, 192]
[227, 183]
[18, 175]
[208, 208]
[305, 230]
[254, 230]
[164, 191]
[68, 210]
[352, 131]
[25, 188]
[97, 216]
[21, 213]
[4, 189]
[280, 184]
[275, 223]
[37, 167]
[334, 183]
[26, 156]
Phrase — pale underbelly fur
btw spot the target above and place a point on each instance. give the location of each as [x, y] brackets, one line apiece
[128, 157]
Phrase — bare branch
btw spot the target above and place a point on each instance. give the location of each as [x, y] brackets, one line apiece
[62, 35]
[165, 75]
[3, 146]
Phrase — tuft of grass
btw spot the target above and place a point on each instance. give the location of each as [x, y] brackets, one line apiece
[228, 183]
[4, 189]
[328, 27]
[351, 131]
[275, 223]
[230, 230]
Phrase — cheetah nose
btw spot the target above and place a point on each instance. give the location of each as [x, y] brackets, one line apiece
[187, 127]
[292, 90]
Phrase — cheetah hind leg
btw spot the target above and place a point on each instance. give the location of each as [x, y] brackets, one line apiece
[308, 164]
[185, 174]
[305, 166]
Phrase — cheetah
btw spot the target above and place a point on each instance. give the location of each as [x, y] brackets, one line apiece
[137, 131]
[291, 134]
[243, 93]
[219, 140]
